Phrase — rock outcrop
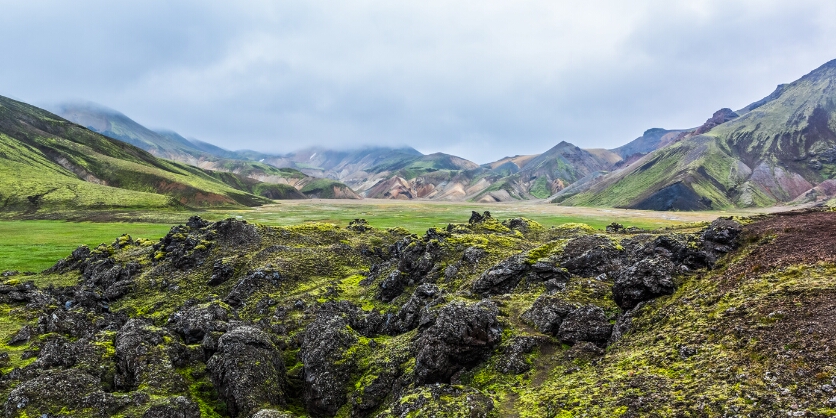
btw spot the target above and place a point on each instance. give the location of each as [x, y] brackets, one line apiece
[460, 337]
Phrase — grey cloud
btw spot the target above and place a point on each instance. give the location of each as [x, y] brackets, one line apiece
[479, 79]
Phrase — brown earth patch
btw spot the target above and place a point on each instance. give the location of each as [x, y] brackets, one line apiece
[791, 342]
[784, 239]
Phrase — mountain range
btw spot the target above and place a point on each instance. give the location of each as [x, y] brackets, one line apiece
[779, 149]
[776, 150]
[374, 172]
[48, 163]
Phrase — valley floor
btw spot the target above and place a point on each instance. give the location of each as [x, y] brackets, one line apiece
[34, 244]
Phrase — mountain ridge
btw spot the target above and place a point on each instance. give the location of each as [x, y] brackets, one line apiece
[777, 150]
[51, 163]
[747, 164]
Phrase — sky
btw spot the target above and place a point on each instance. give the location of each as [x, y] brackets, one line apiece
[479, 79]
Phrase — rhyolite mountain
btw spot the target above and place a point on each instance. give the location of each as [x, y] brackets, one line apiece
[375, 172]
[777, 150]
[49, 163]
[481, 319]
[446, 177]
[173, 146]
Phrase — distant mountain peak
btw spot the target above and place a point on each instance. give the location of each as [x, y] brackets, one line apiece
[718, 118]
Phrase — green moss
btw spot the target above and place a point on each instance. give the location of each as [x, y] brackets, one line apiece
[545, 251]
[203, 393]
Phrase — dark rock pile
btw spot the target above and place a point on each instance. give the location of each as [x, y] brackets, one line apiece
[242, 319]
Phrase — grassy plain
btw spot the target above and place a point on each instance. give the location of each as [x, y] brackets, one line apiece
[33, 245]
[37, 245]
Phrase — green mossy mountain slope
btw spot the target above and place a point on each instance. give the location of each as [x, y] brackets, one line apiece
[172, 146]
[51, 164]
[775, 152]
[485, 319]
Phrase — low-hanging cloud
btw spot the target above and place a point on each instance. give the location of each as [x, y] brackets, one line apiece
[479, 79]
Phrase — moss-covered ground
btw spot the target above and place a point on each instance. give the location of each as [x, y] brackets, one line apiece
[743, 339]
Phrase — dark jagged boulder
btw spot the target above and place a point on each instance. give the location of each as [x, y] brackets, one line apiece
[517, 224]
[393, 285]
[586, 324]
[543, 272]
[40, 396]
[442, 401]
[235, 233]
[183, 248]
[472, 255]
[325, 375]
[176, 407]
[103, 280]
[476, 218]
[622, 325]
[83, 355]
[117, 290]
[590, 256]
[679, 252]
[25, 293]
[503, 277]
[615, 228]
[359, 225]
[514, 351]
[366, 323]
[251, 283]
[196, 222]
[24, 334]
[416, 263]
[247, 371]
[547, 313]
[409, 316]
[72, 323]
[417, 258]
[193, 323]
[647, 279]
[722, 235]
[387, 380]
[461, 337]
[221, 272]
[104, 273]
[147, 355]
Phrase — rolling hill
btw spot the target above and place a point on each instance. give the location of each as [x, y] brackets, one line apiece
[779, 149]
[47, 162]
[375, 172]
[171, 145]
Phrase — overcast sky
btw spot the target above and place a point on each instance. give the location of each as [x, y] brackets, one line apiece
[479, 79]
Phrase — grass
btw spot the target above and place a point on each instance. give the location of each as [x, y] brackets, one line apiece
[37, 245]
[420, 216]
[33, 245]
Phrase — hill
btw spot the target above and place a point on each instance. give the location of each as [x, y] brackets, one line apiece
[776, 150]
[650, 141]
[173, 146]
[377, 172]
[480, 319]
[50, 163]
[445, 177]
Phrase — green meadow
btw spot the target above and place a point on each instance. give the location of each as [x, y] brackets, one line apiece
[34, 245]
[37, 245]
